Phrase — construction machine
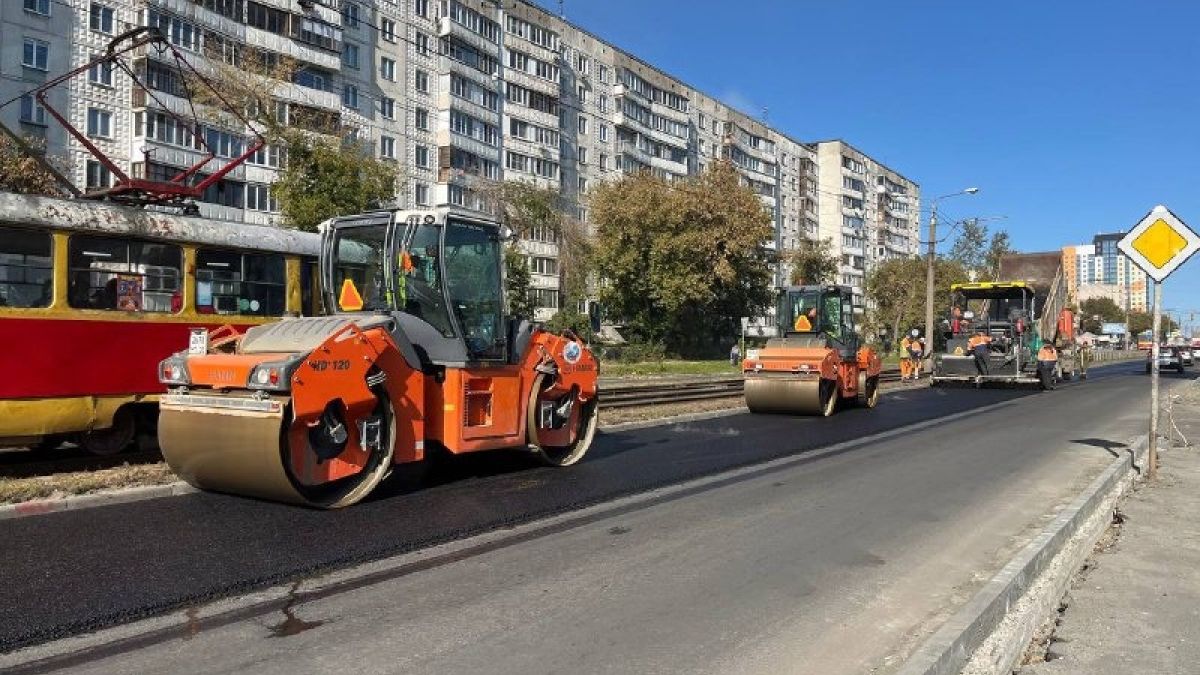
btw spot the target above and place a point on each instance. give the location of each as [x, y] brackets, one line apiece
[414, 355]
[1023, 323]
[816, 361]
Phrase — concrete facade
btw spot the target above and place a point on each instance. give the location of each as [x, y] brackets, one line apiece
[458, 93]
[1099, 269]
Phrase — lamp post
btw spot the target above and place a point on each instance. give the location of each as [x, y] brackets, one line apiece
[929, 280]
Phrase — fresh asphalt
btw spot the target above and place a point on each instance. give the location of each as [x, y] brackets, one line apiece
[78, 571]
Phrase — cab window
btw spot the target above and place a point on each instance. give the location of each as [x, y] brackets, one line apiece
[230, 282]
[473, 270]
[123, 275]
[419, 279]
[26, 271]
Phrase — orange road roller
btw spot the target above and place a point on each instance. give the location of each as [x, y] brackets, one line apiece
[414, 355]
[816, 362]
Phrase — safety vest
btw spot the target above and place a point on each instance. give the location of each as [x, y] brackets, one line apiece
[1047, 353]
[905, 348]
[976, 340]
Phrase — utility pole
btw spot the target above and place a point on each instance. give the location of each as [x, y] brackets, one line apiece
[929, 275]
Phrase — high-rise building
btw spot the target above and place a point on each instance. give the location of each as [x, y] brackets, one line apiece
[457, 93]
[869, 212]
[1100, 270]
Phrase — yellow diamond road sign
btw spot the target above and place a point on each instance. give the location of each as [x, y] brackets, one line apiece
[1160, 243]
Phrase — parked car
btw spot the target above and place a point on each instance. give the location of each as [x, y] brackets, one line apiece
[1169, 358]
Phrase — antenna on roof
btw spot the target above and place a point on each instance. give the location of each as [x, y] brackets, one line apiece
[765, 112]
[562, 14]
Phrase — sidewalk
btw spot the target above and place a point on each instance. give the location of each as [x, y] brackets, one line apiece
[1136, 609]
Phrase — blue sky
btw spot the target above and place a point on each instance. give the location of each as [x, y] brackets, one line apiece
[1073, 117]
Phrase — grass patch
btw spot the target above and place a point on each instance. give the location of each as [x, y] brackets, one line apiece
[13, 490]
[667, 367]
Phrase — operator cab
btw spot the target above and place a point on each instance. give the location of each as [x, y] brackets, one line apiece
[819, 315]
[436, 272]
[1004, 311]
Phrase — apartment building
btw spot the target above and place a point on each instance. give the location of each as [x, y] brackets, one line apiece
[868, 211]
[1100, 270]
[458, 93]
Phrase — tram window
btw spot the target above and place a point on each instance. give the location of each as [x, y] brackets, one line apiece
[228, 282]
[123, 275]
[26, 273]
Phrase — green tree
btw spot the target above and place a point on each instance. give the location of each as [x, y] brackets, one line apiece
[1096, 311]
[326, 178]
[23, 174]
[813, 262]
[517, 283]
[979, 250]
[328, 171]
[680, 262]
[895, 290]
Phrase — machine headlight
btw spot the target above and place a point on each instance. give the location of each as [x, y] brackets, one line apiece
[173, 371]
[273, 376]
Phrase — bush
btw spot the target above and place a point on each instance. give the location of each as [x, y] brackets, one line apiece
[635, 352]
[576, 322]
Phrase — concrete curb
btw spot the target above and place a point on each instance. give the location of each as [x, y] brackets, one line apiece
[951, 648]
[43, 507]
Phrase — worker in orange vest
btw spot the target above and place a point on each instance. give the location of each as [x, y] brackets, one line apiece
[910, 354]
[978, 344]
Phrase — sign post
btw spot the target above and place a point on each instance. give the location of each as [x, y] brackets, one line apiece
[745, 323]
[1159, 244]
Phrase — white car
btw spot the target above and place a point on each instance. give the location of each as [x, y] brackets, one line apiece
[1186, 355]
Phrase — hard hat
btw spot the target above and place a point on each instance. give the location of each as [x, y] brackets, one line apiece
[915, 332]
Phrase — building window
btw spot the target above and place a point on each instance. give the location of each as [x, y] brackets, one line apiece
[421, 8]
[602, 73]
[421, 194]
[422, 44]
[32, 112]
[98, 175]
[603, 162]
[581, 92]
[350, 96]
[583, 155]
[100, 17]
[422, 119]
[387, 147]
[350, 14]
[99, 123]
[602, 131]
[38, 7]
[422, 81]
[101, 73]
[258, 198]
[582, 184]
[387, 30]
[602, 103]
[387, 107]
[350, 56]
[583, 125]
[422, 156]
[36, 54]
[387, 69]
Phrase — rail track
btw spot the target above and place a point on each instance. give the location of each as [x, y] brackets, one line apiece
[632, 395]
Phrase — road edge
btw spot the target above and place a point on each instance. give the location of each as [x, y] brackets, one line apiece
[42, 507]
[989, 634]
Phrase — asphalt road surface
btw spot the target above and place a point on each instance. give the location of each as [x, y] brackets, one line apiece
[834, 561]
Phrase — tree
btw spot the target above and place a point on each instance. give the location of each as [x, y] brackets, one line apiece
[813, 263]
[896, 290]
[978, 252]
[324, 179]
[329, 172]
[517, 283]
[1096, 311]
[1140, 322]
[23, 174]
[679, 262]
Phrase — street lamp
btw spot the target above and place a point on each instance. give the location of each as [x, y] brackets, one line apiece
[930, 264]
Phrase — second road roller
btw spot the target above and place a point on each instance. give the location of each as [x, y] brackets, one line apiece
[816, 362]
[415, 354]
